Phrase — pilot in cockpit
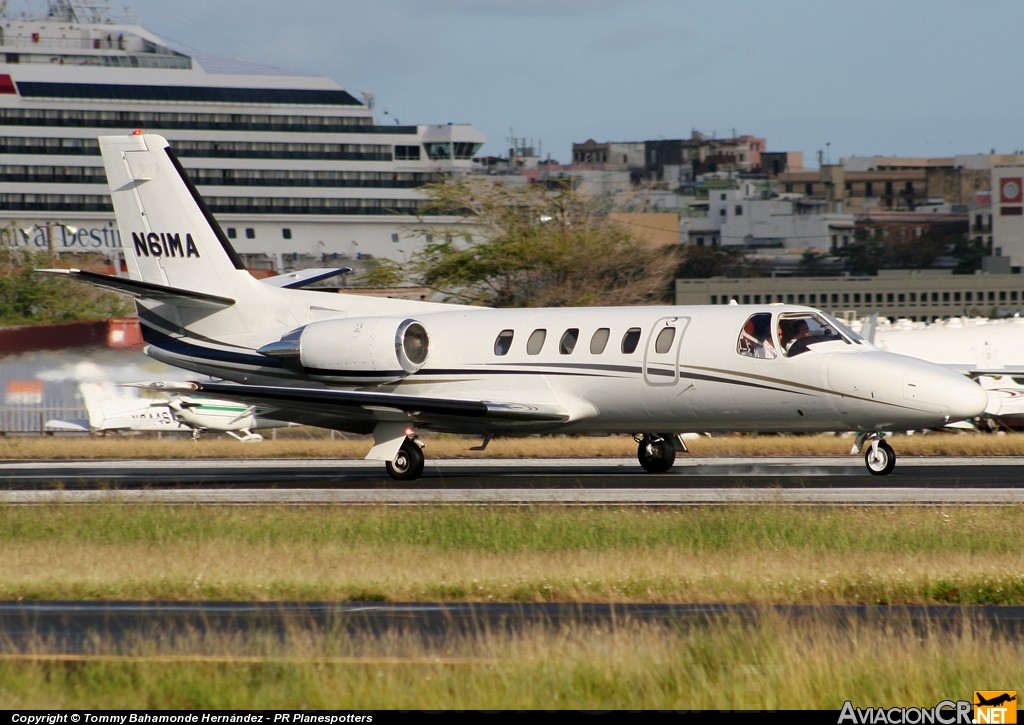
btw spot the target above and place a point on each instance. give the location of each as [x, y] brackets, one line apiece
[790, 331]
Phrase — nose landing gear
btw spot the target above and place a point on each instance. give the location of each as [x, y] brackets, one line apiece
[879, 457]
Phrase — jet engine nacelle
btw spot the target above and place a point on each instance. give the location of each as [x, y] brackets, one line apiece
[374, 349]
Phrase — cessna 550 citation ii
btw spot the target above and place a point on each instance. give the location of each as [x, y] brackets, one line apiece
[392, 367]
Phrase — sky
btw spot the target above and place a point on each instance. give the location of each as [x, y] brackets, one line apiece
[830, 79]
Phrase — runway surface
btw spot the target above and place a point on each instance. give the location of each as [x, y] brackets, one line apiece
[829, 480]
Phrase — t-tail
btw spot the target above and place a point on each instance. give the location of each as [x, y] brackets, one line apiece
[199, 307]
[168, 235]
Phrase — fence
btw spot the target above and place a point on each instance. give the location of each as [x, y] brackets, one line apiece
[31, 420]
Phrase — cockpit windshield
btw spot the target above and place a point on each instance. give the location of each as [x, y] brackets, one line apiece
[792, 333]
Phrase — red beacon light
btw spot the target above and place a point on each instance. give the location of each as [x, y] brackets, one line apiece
[137, 132]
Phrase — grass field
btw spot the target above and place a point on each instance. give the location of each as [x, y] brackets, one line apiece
[760, 554]
[778, 664]
[744, 554]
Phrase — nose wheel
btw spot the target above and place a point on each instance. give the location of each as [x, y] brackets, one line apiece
[880, 458]
[655, 452]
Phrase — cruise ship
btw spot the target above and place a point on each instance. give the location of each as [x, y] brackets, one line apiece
[293, 166]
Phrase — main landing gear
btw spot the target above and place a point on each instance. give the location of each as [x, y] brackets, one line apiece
[409, 462]
[656, 451]
[879, 456]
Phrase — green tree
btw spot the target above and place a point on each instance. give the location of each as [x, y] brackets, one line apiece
[704, 262]
[531, 246]
[28, 297]
[884, 248]
[866, 255]
[969, 253]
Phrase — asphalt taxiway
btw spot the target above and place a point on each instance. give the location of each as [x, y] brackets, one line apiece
[77, 627]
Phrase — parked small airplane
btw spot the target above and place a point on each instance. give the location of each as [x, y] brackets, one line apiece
[393, 367]
[115, 408]
[989, 351]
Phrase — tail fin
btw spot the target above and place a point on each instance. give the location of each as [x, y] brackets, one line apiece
[109, 407]
[168, 235]
[869, 328]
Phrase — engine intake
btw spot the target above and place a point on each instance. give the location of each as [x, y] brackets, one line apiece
[361, 349]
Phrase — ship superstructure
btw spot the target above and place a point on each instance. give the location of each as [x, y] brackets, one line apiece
[293, 166]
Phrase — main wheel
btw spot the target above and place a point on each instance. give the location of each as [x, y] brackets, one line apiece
[656, 453]
[408, 464]
[881, 460]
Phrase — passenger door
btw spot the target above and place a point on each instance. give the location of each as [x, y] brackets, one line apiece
[661, 355]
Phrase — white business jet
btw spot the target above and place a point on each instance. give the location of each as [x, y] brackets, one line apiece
[112, 407]
[392, 367]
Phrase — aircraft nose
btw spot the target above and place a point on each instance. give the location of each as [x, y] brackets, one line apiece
[955, 395]
[912, 393]
[965, 399]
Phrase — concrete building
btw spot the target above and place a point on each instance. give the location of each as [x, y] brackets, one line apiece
[914, 294]
[1007, 213]
[777, 229]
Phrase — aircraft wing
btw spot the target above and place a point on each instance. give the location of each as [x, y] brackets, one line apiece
[973, 371]
[321, 406]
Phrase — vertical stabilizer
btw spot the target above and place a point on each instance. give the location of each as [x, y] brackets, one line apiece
[168, 235]
[110, 407]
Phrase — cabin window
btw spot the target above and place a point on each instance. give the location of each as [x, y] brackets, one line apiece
[630, 340]
[568, 342]
[504, 342]
[755, 338]
[536, 341]
[663, 343]
[599, 341]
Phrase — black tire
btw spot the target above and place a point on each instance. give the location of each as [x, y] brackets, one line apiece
[880, 462]
[656, 453]
[408, 464]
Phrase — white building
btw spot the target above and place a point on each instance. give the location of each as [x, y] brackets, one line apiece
[1008, 213]
[779, 226]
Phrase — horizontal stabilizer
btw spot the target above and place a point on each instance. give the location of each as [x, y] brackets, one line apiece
[144, 290]
[304, 277]
[66, 426]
